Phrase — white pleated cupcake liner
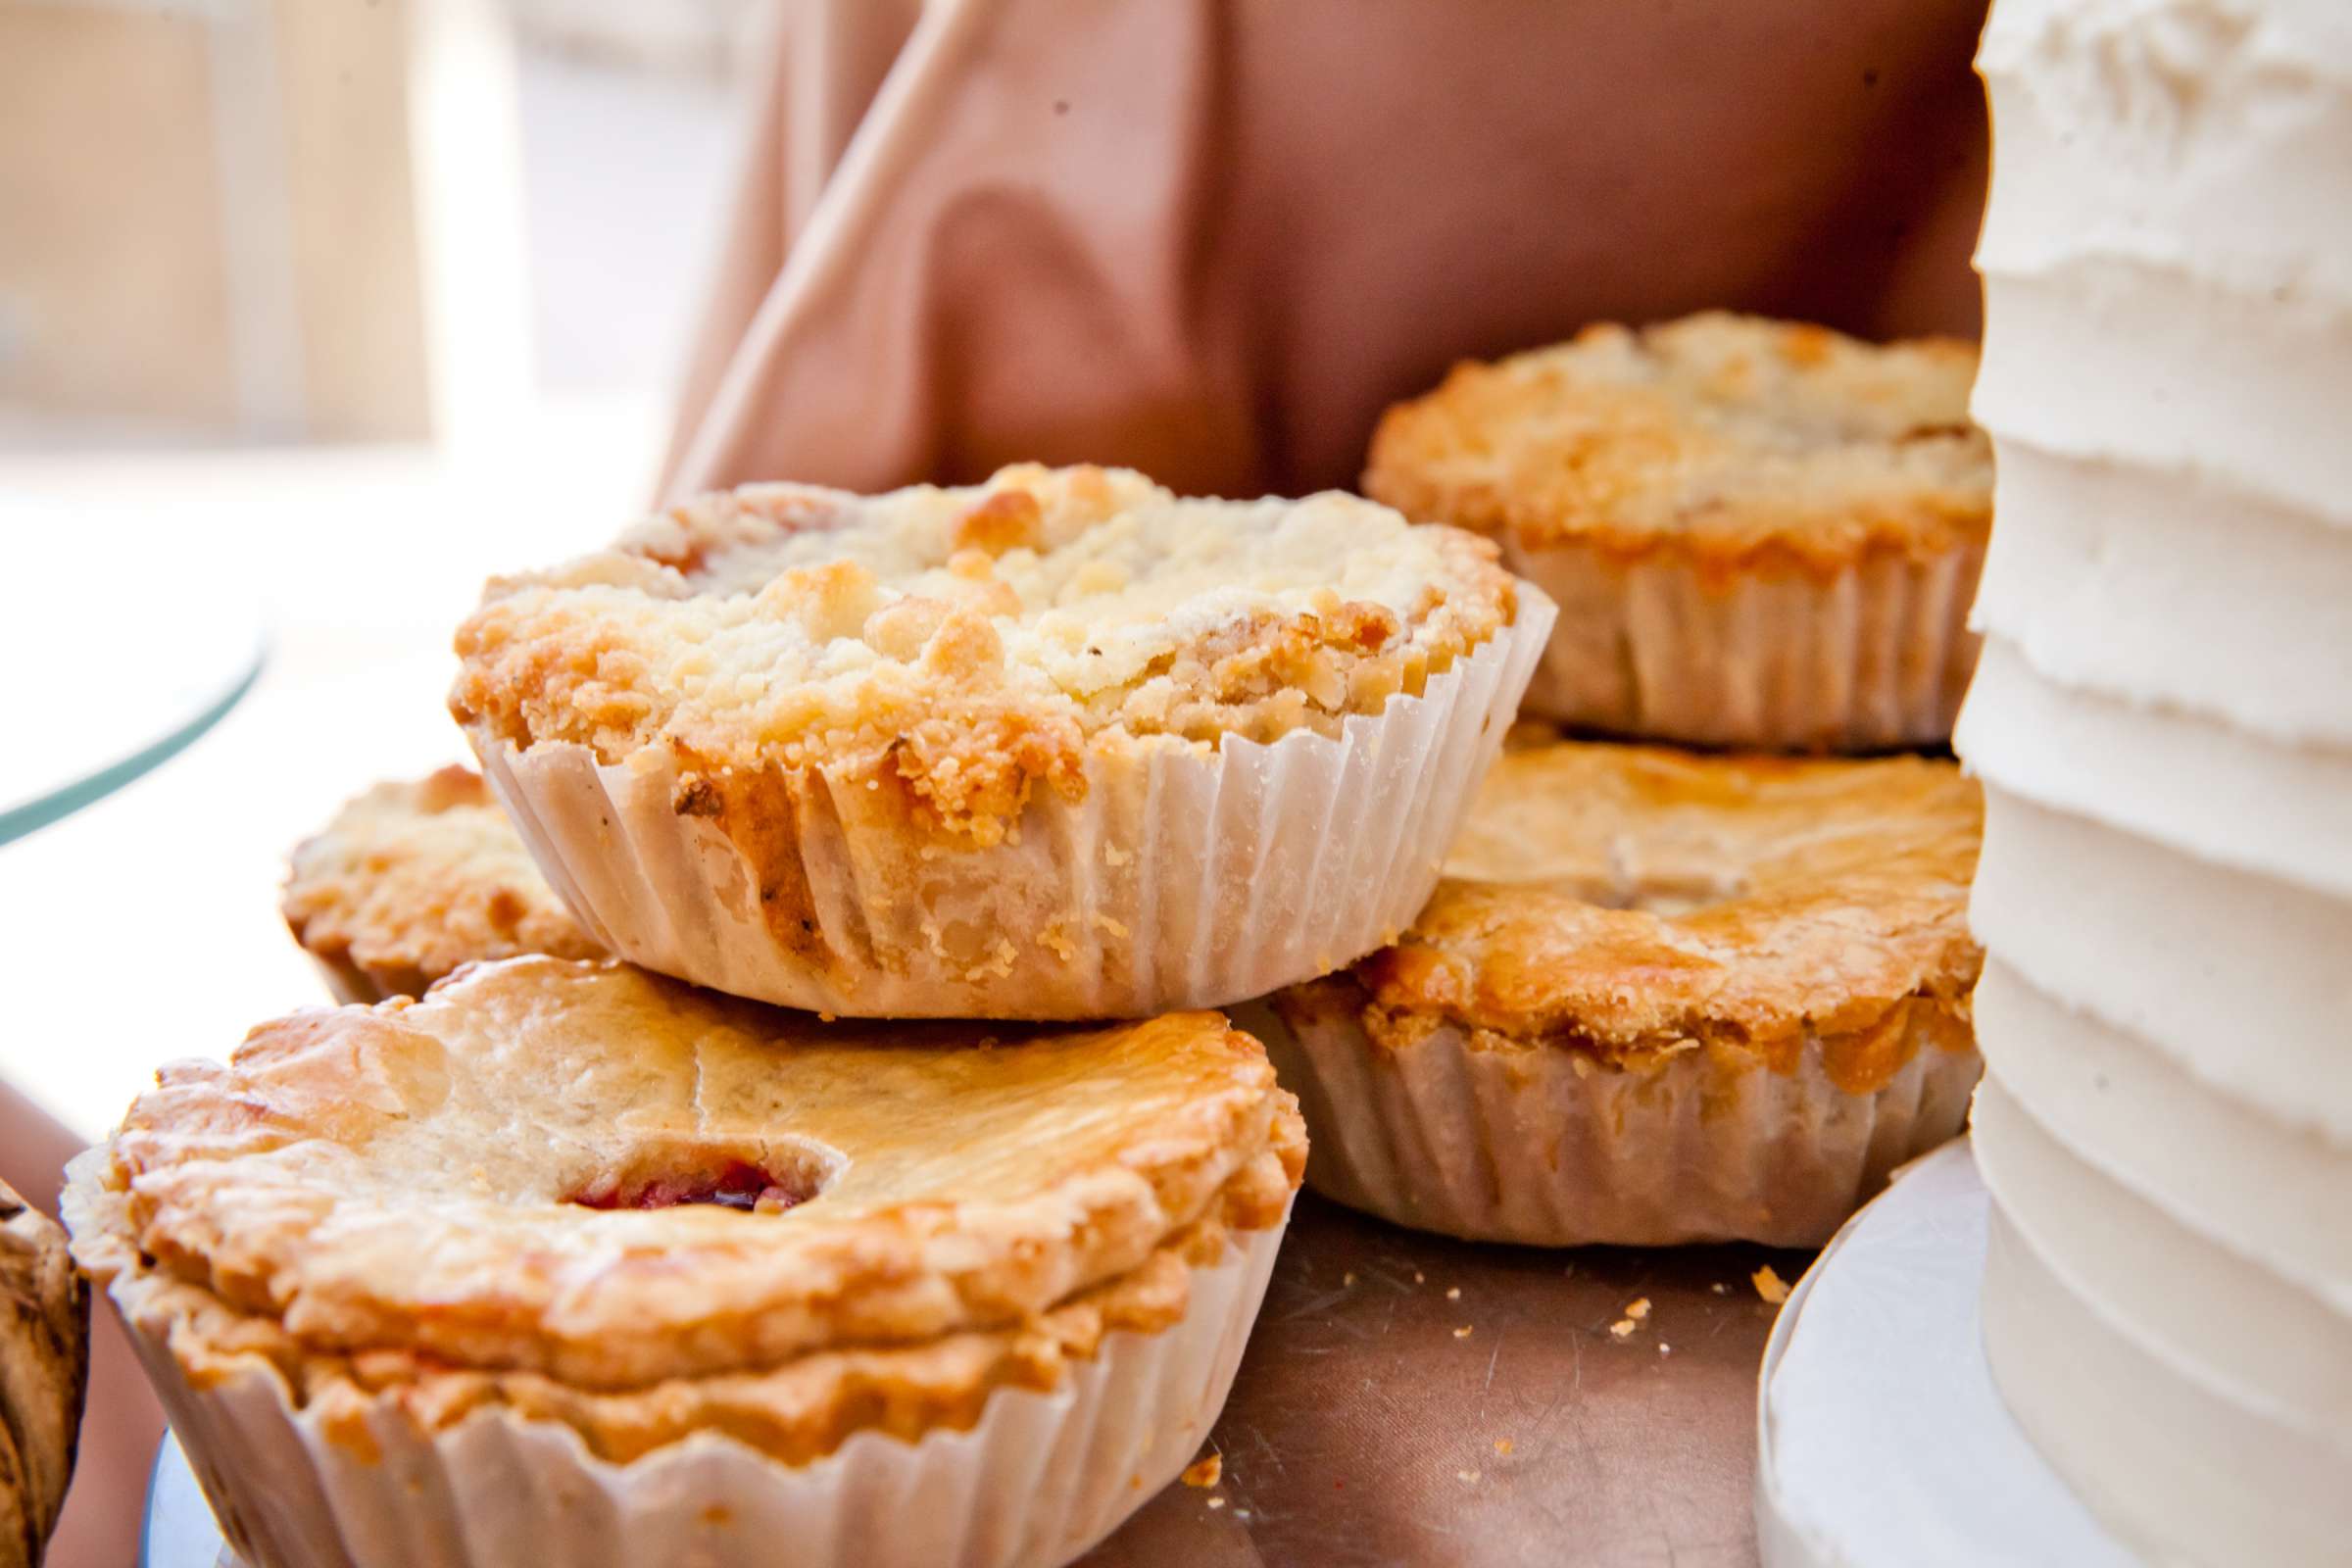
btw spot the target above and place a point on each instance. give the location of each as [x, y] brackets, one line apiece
[1037, 1481]
[1873, 656]
[1185, 877]
[1551, 1148]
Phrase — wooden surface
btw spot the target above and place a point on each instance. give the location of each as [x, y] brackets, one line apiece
[1366, 1428]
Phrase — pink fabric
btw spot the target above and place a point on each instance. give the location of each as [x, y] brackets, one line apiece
[1213, 238]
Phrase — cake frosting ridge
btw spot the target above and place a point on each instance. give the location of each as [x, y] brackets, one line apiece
[2162, 719]
[2170, 191]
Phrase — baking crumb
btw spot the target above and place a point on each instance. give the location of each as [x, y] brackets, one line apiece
[1453, 1292]
[1216, 1502]
[1623, 1328]
[1347, 1278]
[1420, 1278]
[1465, 1475]
[1502, 1445]
[1638, 1308]
[1719, 1289]
[1462, 1333]
[1664, 1348]
[1769, 1285]
[1205, 1471]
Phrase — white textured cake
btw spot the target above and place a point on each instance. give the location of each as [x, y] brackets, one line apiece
[2162, 719]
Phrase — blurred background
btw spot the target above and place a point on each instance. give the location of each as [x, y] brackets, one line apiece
[313, 314]
[349, 221]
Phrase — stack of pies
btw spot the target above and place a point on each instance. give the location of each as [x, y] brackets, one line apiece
[576, 1261]
[580, 1246]
[1667, 996]
[728, 1142]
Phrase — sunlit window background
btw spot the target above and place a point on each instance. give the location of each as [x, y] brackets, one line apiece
[313, 314]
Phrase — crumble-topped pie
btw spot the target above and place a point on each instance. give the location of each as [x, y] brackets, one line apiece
[410, 880]
[44, 1365]
[1759, 533]
[575, 1256]
[1061, 745]
[1657, 997]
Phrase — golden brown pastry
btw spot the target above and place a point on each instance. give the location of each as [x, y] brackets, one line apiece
[1036, 748]
[599, 1220]
[1759, 533]
[1659, 996]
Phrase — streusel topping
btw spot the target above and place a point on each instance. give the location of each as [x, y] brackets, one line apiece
[410, 880]
[1729, 432]
[974, 642]
[593, 1173]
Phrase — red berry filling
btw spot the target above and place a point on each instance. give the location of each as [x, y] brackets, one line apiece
[737, 1184]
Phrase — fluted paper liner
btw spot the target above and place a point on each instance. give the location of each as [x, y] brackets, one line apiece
[1037, 1480]
[1186, 877]
[1550, 1147]
[1874, 656]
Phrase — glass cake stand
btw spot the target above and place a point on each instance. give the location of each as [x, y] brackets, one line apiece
[109, 686]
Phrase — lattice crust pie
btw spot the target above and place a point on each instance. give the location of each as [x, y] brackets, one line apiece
[1759, 533]
[1017, 750]
[410, 880]
[1657, 997]
[576, 1224]
[45, 1364]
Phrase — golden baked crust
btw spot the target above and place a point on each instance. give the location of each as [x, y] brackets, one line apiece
[1625, 901]
[960, 649]
[44, 1364]
[470, 1178]
[1732, 440]
[410, 880]
[795, 1411]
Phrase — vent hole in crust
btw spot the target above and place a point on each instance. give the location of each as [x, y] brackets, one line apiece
[748, 1181]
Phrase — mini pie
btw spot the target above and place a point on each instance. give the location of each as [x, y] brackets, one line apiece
[1657, 997]
[410, 880]
[1061, 745]
[1759, 533]
[44, 1365]
[574, 1256]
